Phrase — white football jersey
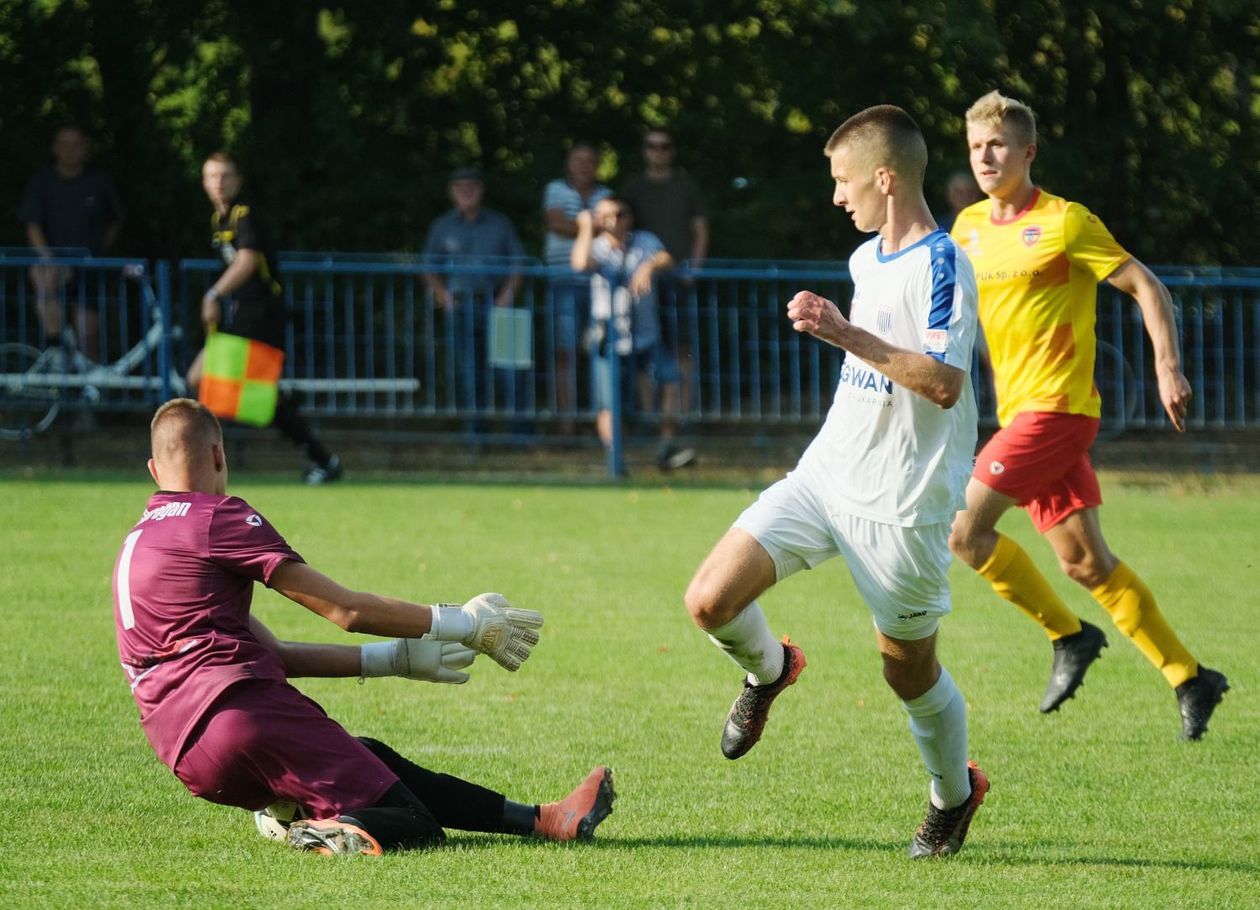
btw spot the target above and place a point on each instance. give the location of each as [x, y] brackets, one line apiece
[885, 453]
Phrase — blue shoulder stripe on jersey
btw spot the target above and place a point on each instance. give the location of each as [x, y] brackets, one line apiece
[944, 280]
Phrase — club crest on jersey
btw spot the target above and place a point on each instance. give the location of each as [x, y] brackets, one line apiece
[254, 521]
[996, 467]
[883, 321]
[1031, 235]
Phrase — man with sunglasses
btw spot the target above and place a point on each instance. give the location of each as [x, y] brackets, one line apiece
[668, 202]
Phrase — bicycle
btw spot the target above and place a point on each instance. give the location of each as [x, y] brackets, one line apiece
[35, 384]
[1117, 385]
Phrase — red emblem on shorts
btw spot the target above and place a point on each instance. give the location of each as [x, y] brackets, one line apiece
[1031, 235]
[996, 467]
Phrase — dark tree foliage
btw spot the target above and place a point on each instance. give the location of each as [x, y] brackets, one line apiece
[348, 117]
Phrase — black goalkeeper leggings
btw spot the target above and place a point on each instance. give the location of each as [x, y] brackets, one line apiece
[414, 811]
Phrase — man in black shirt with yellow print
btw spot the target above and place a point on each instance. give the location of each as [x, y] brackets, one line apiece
[247, 300]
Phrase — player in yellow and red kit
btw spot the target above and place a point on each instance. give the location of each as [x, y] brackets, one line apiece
[1038, 260]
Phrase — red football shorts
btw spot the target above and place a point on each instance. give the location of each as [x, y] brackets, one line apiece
[1041, 460]
[263, 740]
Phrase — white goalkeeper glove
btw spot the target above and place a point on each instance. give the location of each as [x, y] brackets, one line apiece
[489, 624]
[417, 658]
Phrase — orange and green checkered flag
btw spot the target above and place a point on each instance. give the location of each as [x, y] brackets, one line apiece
[239, 377]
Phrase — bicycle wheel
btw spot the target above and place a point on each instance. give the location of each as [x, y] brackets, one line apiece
[1117, 384]
[26, 407]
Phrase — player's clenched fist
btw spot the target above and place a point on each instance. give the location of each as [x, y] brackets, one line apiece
[816, 315]
[490, 625]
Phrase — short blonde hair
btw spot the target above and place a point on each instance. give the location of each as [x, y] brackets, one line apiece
[995, 109]
[182, 427]
[884, 135]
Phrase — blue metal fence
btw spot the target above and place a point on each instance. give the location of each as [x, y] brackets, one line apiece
[368, 340]
[84, 334]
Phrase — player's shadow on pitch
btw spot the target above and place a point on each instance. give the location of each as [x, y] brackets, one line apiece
[988, 852]
[996, 854]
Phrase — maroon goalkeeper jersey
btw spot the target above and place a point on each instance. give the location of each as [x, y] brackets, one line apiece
[182, 590]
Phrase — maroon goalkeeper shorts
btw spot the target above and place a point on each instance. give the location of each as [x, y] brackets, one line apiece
[263, 740]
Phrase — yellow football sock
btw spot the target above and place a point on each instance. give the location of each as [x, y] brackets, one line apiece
[1133, 609]
[1014, 577]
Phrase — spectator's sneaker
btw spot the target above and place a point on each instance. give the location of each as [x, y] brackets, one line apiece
[1072, 656]
[328, 472]
[1198, 697]
[944, 830]
[747, 717]
[578, 815]
[672, 457]
[333, 837]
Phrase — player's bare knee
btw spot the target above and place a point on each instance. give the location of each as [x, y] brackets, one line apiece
[908, 680]
[706, 604]
[965, 542]
[1086, 569]
[960, 543]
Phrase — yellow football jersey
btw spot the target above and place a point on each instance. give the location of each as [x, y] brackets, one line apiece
[1037, 276]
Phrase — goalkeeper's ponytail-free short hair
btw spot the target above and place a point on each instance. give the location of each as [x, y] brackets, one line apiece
[184, 425]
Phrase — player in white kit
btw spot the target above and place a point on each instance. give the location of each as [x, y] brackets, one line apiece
[881, 482]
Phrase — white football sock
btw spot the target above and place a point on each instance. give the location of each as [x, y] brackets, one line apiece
[938, 723]
[748, 641]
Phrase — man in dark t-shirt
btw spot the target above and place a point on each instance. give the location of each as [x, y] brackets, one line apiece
[72, 208]
[668, 202]
[247, 300]
[210, 679]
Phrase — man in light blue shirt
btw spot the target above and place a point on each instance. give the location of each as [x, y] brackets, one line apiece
[470, 236]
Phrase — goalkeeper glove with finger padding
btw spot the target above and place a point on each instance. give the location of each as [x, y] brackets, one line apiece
[417, 658]
[489, 624]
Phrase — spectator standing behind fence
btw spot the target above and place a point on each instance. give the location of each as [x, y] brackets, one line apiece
[961, 190]
[626, 263]
[69, 204]
[471, 235]
[247, 300]
[668, 202]
[569, 295]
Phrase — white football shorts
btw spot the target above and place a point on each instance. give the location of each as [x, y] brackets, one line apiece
[901, 572]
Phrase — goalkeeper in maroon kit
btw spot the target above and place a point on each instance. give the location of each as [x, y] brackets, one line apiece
[211, 680]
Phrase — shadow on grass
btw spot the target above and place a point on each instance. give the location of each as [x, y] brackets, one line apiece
[692, 842]
[981, 854]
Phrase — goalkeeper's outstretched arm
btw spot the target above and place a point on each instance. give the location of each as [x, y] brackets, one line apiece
[488, 623]
[354, 611]
[302, 658]
[410, 658]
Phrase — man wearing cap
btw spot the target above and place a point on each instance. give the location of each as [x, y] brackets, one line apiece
[469, 235]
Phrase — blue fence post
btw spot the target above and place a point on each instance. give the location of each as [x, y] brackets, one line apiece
[616, 456]
[163, 277]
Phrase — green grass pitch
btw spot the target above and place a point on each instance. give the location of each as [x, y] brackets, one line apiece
[1100, 806]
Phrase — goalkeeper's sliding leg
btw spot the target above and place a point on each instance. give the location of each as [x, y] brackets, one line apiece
[414, 812]
[266, 743]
